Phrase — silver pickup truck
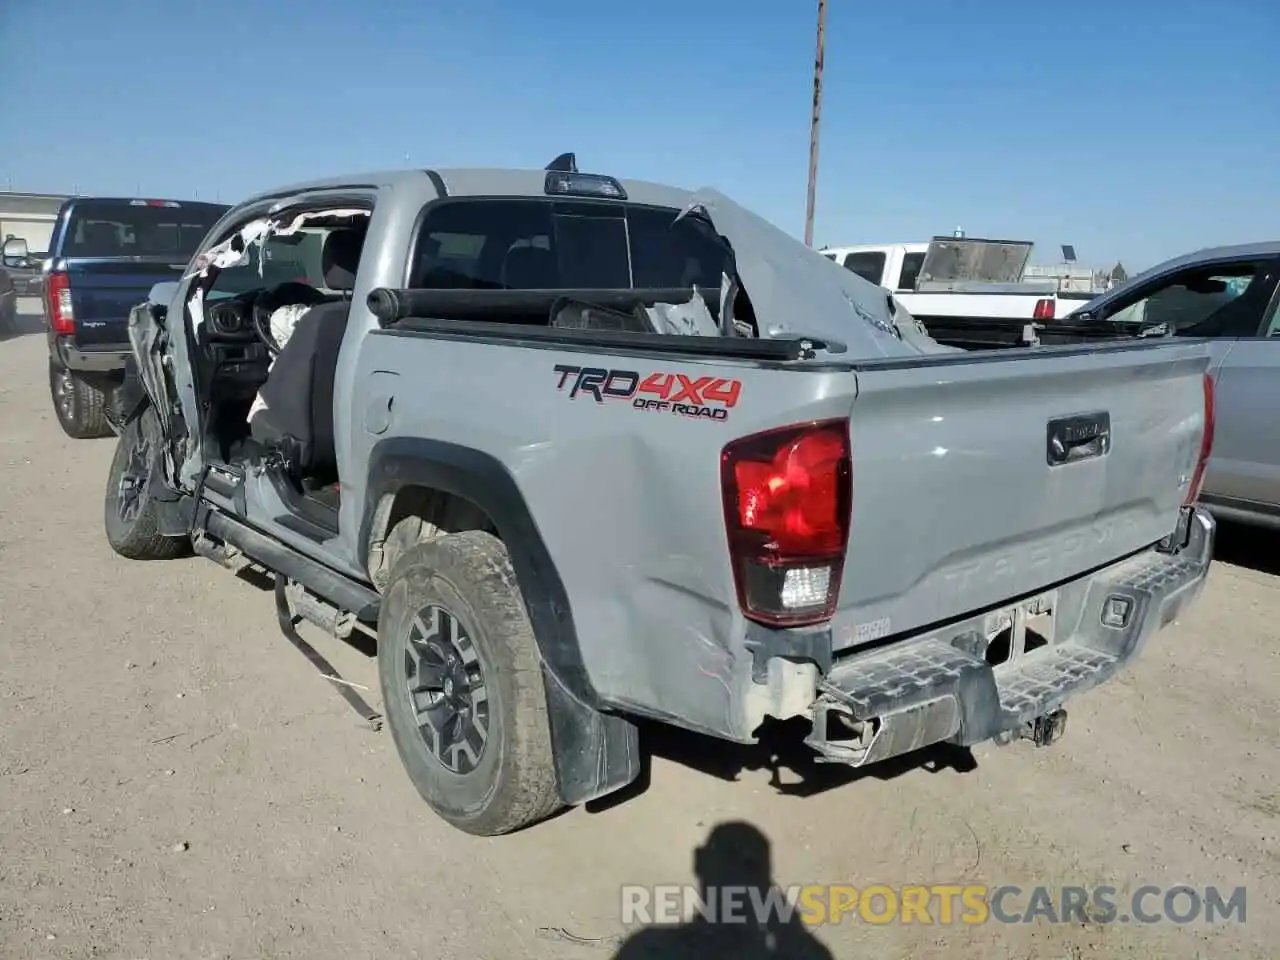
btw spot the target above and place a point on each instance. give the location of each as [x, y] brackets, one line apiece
[580, 450]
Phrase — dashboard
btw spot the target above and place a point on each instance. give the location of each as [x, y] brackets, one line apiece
[236, 334]
[237, 357]
[229, 319]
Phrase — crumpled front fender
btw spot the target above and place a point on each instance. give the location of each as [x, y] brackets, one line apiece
[145, 382]
[129, 398]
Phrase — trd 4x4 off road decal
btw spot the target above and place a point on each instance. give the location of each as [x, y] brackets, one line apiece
[704, 398]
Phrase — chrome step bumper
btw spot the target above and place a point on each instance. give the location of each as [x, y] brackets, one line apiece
[943, 687]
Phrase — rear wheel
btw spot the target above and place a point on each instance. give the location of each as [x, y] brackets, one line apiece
[462, 685]
[129, 512]
[80, 406]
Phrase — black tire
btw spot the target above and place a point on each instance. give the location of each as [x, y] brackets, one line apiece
[9, 317]
[128, 510]
[466, 580]
[80, 406]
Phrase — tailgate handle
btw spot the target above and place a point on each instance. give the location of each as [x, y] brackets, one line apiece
[1071, 439]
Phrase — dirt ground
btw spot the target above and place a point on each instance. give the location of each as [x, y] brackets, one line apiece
[177, 781]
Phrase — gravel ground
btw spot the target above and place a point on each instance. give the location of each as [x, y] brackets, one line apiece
[176, 781]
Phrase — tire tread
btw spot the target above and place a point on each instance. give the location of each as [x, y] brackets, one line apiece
[139, 540]
[89, 421]
[476, 565]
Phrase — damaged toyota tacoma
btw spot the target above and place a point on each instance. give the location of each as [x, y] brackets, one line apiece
[576, 451]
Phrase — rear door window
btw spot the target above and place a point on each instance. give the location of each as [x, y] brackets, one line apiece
[869, 266]
[124, 228]
[530, 244]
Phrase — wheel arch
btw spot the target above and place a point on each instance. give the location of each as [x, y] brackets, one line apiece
[596, 752]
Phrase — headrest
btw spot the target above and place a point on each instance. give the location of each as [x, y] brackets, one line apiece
[529, 268]
[341, 258]
[103, 236]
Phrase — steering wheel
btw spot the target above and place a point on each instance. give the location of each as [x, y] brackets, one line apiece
[272, 299]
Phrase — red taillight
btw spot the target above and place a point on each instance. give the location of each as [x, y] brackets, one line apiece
[1044, 309]
[57, 300]
[787, 500]
[1206, 444]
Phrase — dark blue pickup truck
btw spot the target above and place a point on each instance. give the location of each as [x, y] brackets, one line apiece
[104, 256]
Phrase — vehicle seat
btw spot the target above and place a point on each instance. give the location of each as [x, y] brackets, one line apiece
[298, 392]
[529, 268]
[102, 239]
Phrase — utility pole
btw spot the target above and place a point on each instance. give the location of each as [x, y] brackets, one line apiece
[813, 127]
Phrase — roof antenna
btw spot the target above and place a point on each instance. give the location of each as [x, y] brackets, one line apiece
[565, 163]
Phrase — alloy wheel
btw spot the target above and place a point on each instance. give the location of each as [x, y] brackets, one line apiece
[447, 692]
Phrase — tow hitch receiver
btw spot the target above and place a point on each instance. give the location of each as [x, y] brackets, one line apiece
[1046, 729]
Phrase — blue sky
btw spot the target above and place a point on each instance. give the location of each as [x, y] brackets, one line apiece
[1134, 129]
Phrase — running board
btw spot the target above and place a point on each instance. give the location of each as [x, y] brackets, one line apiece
[288, 614]
[338, 589]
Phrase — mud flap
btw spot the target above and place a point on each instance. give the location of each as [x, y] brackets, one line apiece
[595, 753]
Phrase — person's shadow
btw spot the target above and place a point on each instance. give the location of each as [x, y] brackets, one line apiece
[734, 860]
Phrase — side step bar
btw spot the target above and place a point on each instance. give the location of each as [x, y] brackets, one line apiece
[304, 590]
[339, 589]
[288, 622]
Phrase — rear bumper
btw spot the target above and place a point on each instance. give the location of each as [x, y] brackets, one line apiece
[943, 687]
[106, 358]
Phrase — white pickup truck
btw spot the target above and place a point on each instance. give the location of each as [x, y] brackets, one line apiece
[960, 279]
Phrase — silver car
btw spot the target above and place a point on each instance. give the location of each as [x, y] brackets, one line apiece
[1230, 295]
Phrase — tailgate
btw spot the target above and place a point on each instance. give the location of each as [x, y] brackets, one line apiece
[956, 504]
[103, 292]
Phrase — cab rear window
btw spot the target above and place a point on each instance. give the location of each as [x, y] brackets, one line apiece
[533, 244]
[123, 228]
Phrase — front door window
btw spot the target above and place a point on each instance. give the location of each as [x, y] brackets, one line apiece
[1200, 302]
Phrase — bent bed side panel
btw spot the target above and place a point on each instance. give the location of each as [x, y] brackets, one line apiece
[617, 458]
